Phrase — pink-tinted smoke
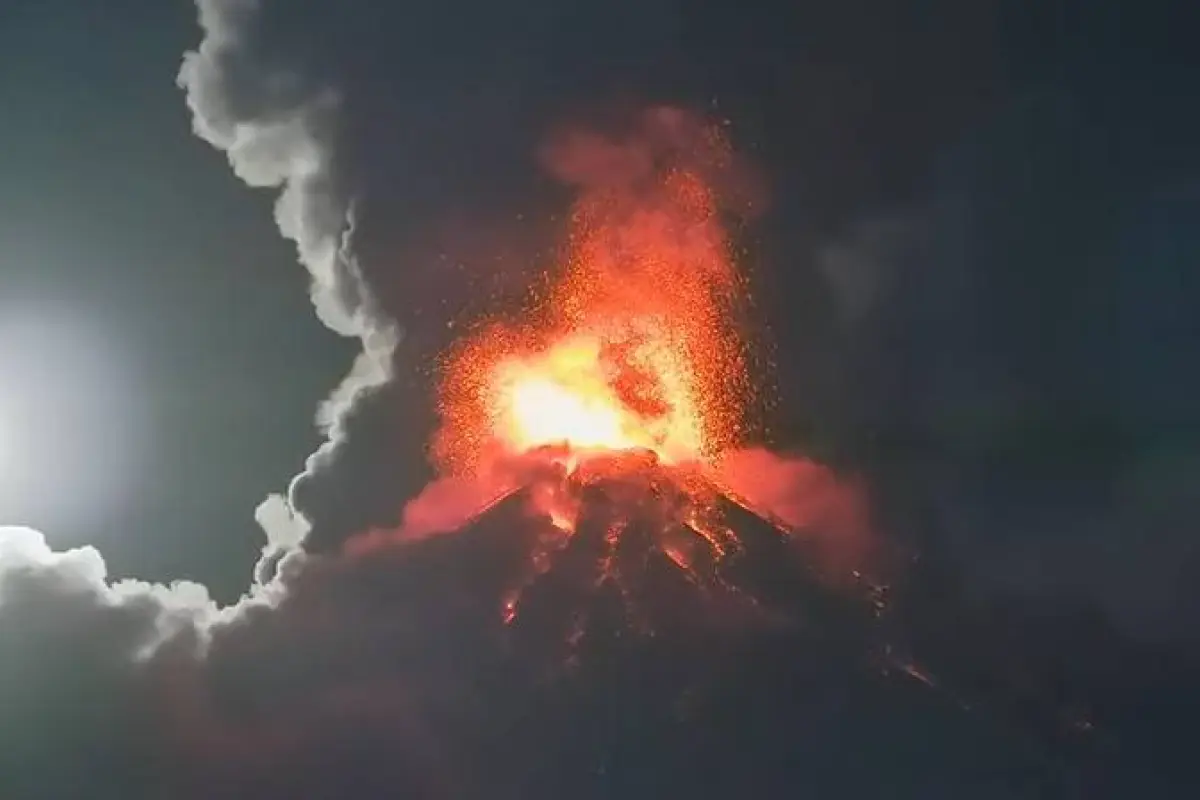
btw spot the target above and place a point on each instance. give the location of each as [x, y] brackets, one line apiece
[818, 506]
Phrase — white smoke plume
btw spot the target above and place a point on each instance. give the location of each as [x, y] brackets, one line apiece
[278, 129]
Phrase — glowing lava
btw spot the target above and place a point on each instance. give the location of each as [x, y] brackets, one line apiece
[634, 344]
[574, 396]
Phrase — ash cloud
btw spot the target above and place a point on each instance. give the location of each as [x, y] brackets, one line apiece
[1020, 341]
[353, 667]
[254, 95]
[76, 650]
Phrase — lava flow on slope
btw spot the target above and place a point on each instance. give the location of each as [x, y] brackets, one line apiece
[634, 344]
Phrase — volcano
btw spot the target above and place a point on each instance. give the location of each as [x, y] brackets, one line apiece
[639, 559]
[669, 608]
[651, 659]
[660, 651]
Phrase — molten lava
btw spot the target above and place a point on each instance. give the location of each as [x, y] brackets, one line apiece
[634, 345]
[588, 397]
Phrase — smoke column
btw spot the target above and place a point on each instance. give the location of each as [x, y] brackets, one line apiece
[278, 129]
[278, 126]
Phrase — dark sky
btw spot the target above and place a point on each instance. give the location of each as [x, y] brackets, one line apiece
[977, 265]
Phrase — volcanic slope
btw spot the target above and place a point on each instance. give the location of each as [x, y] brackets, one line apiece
[639, 657]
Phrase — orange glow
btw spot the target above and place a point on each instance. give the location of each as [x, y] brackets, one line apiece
[573, 395]
[634, 343]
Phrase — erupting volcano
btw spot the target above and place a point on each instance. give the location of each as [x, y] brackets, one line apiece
[614, 408]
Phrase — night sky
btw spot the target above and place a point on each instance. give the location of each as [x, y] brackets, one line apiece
[976, 262]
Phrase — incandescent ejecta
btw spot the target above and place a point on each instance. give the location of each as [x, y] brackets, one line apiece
[618, 403]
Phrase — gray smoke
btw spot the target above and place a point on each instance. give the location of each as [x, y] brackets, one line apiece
[94, 672]
[278, 128]
[74, 648]
[257, 102]
[127, 689]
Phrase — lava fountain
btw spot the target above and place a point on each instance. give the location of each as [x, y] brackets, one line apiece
[634, 344]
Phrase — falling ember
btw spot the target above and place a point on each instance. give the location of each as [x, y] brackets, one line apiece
[633, 346]
[625, 372]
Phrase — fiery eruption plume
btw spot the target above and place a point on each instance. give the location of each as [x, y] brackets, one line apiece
[617, 402]
[634, 344]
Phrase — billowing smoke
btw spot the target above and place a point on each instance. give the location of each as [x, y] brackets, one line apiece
[359, 668]
[278, 126]
[75, 653]
[117, 688]
[255, 99]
